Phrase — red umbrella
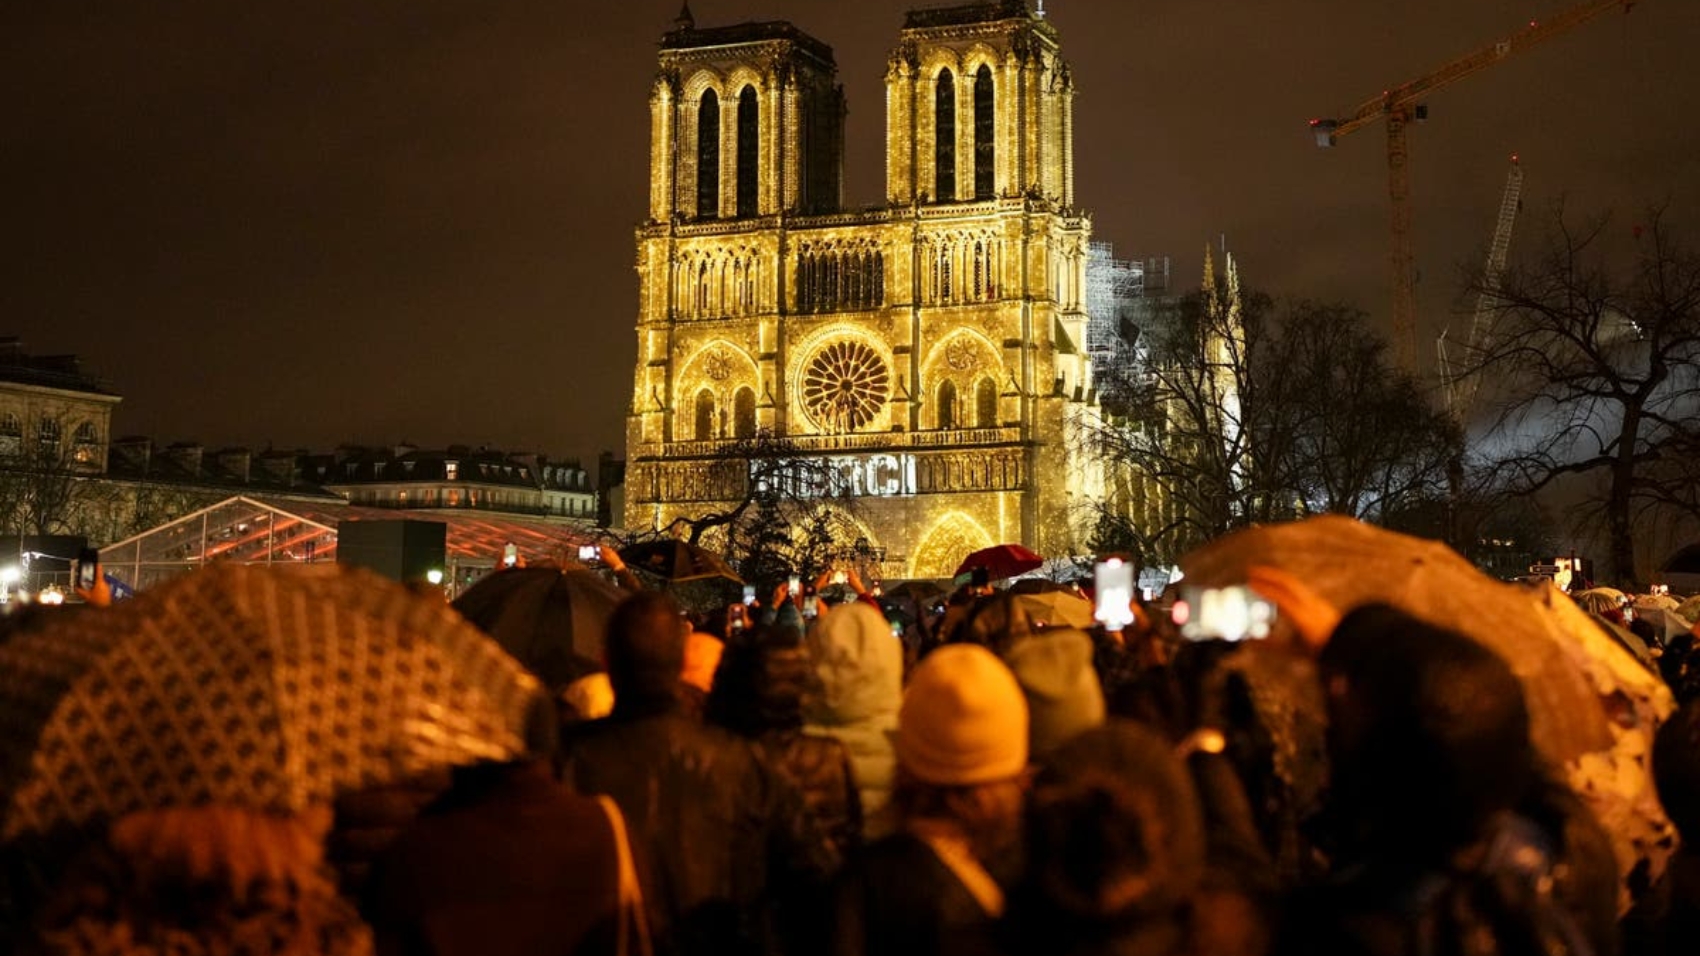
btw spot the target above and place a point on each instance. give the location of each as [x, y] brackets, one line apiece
[1001, 561]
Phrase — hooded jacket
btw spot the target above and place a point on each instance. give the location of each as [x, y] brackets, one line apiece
[854, 695]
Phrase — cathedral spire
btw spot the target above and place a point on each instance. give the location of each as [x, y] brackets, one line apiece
[684, 21]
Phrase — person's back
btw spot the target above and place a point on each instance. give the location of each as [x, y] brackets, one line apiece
[507, 863]
[1431, 763]
[717, 822]
[758, 695]
[856, 689]
[961, 747]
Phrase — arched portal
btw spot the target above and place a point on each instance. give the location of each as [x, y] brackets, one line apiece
[952, 537]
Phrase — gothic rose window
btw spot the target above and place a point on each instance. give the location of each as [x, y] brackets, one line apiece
[844, 386]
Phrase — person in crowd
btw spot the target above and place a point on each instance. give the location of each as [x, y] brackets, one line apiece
[1676, 772]
[855, 691]
[1430, 755]
[995, 621]
[723, 829]
[1054, 669]
[508, 862]
[702, 659]
[219, 880]
[616, 565]
[1117, 859]
[1252, 809]
[784, 611]
[961, 745]
[758, 695]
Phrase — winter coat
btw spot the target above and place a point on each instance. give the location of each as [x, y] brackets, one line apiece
[508, 862]
[820, 768]
[758, 695]
[721, 827]
[1498, 899]
[899, 899]
[856, 690]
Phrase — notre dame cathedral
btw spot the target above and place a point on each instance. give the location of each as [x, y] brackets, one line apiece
[931, 350]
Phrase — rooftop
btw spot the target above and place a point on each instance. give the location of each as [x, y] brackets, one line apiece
[687, 38]
[47, 371]
[967, 13]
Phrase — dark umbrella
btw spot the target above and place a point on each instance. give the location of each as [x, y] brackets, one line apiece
[915, 599]
[550, 620]
[677, 561]
[1041, 586]
[1000, 561]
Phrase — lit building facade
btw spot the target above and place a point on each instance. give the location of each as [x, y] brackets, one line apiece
[932, 349]
[52, 417]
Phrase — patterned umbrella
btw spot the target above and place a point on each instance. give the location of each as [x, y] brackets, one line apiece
[1569, 667]
[250, 686]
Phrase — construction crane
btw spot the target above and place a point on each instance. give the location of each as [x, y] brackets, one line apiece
[1460, 390]
[1398, 107]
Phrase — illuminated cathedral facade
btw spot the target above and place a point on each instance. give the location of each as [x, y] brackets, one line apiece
[931, 350]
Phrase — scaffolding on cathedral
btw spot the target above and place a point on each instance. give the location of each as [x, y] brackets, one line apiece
[1116, 294]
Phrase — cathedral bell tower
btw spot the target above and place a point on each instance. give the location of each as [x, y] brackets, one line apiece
[979, 105]
[745, 121]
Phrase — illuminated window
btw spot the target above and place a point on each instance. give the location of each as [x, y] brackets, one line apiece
[84, 445]
[708, 156]
[748, 162]
[744, 413]
[984, 150]
[47, 433]
[986, 404]
[944, 138]
[451, 470]
[705, 415]
[11, 434]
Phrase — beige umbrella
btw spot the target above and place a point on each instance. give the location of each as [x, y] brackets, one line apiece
[1569, 667]
[1057, 608]
[1661, 602]
[264, 688]
[1596, 600]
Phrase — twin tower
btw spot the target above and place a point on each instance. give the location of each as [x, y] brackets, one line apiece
[927, 353]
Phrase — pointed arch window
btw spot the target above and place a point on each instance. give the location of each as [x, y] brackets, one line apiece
[748, 162]
[985, 404]
[985, 152]
[705, 415]
[947, 404]
[708, 156]
[944, 138]
[744, 413]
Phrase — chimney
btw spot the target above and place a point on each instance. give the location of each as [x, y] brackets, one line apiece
[238, 462]
[187, 455]
[280, 465]
[135, 454]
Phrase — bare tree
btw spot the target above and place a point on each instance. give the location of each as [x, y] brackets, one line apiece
[1348, 433]
[1598, 372]
[45, 480]
[1244, 416]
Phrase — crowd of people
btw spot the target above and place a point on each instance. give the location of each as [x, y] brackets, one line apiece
[762, 780]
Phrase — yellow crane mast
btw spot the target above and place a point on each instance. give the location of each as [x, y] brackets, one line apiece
[1397, 107]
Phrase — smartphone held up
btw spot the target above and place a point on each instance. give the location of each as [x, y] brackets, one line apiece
[88, 569]
[1227, 614]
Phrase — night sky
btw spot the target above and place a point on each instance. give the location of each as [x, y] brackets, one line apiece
[304, 223]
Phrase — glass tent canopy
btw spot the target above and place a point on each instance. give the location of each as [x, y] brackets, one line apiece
[282, 531]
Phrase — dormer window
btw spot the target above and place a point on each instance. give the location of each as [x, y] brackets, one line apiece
[451, 470]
